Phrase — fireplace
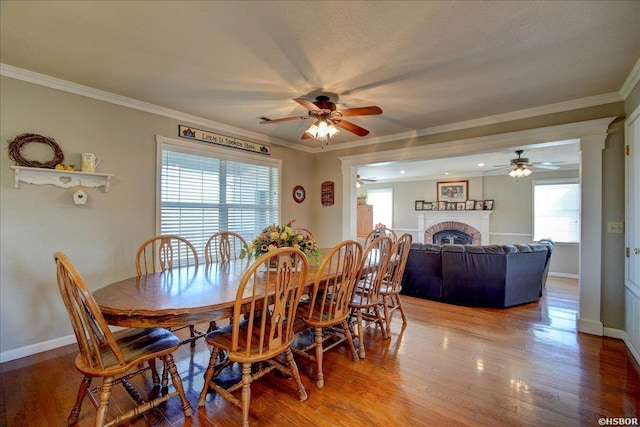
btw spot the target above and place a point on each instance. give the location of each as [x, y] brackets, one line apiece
[441, 227]
[452, 237]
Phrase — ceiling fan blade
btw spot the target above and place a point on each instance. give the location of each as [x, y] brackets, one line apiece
[305, 136]
[307, 104]
[351, 127]
[361, 111]
[541, 166]
[284, 119]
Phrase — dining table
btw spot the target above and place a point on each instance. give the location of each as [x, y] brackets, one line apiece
[179, 297]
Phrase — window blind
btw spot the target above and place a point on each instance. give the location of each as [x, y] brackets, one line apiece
[557, 210]
[201, 195]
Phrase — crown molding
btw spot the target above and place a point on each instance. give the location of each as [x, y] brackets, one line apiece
[101, 95]
[89, 92]
[591, 101]
[631, 81]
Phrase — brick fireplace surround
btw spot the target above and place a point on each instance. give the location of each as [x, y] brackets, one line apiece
[453, 225]
[474, 223]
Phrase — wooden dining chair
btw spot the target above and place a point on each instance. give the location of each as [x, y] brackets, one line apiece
[365, 302]
[305, 232]
[166, 252]
[261, 331]
[112, 356]
[377, 232]
[223, 246]
[327, 310]
[392, 282]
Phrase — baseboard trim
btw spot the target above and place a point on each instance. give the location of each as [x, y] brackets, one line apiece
[632, 349]
[30, 350]
[589, 326]
[614, 333]
[564, 275]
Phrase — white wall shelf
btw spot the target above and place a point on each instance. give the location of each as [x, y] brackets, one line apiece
[61, 178]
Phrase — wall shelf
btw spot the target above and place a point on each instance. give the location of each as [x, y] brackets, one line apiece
[61, 178]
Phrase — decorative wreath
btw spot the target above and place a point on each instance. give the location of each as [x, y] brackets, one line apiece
[16, 146]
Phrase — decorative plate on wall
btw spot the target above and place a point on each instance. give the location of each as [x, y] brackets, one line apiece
[299, 194]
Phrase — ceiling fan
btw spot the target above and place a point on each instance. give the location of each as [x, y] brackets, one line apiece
[522, 163]
[360, 181]
[325, 114]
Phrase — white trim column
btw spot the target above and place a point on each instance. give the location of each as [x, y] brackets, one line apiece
[589, 311]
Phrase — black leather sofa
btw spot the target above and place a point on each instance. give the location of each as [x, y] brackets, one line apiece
[486, 276]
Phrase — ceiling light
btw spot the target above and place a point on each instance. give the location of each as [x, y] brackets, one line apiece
[402, 172]
[322, 130]
[480, 164]
[519, 171]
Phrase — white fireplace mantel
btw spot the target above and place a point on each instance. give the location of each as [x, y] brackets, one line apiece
[477, 219]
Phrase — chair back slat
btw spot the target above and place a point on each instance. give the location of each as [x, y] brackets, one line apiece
[305, 232]
[223, 246]
[396, 262]
[165, 252]
[380, 231]
[372, 271]
[266, 303]
[334, 283]
[93, 336]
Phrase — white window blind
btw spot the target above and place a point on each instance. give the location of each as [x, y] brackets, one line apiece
[557, 210]
[201, 194]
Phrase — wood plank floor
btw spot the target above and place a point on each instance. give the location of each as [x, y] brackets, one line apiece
[450, 365]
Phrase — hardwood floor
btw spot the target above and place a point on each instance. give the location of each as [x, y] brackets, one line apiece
[450, 365]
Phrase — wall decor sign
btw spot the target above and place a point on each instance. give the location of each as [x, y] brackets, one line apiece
[327, 193]
[453, 191]
[189, 132]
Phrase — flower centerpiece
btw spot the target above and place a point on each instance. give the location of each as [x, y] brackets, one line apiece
[278, 236]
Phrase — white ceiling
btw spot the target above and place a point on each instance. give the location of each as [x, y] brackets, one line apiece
[427, 64]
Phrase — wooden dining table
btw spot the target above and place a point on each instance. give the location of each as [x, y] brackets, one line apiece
[179, 297]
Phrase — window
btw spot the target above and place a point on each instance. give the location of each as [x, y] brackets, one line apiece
[382, 201]
[556, 210]
[204, 190]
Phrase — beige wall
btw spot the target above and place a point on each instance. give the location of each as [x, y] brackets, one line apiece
[102, 237]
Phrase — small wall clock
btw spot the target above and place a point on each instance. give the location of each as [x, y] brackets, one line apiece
[299, 193]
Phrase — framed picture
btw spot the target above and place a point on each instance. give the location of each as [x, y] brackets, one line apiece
[426, 206]
[419, 204]
[460, 206]
[453, 191]
[451, 206]
[470, 205]
[442, 206]
[434, 206]
[479, 205]
[488, 205]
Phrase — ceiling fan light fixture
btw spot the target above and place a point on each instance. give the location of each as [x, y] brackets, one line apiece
[519, 171]
[322, 131]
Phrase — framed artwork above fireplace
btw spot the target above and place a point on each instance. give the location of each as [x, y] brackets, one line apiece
[453, 191]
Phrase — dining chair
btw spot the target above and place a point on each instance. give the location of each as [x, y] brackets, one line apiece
[166, 252]
[327, 310]
[381, 231]
[365, 302]
[305, 232]
[111, 356]
[261, 330]
[223, 246]
[392, 282]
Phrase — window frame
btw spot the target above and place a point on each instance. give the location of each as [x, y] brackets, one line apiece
[204, 149]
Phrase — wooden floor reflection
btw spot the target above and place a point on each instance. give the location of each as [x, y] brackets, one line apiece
[450, 365]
